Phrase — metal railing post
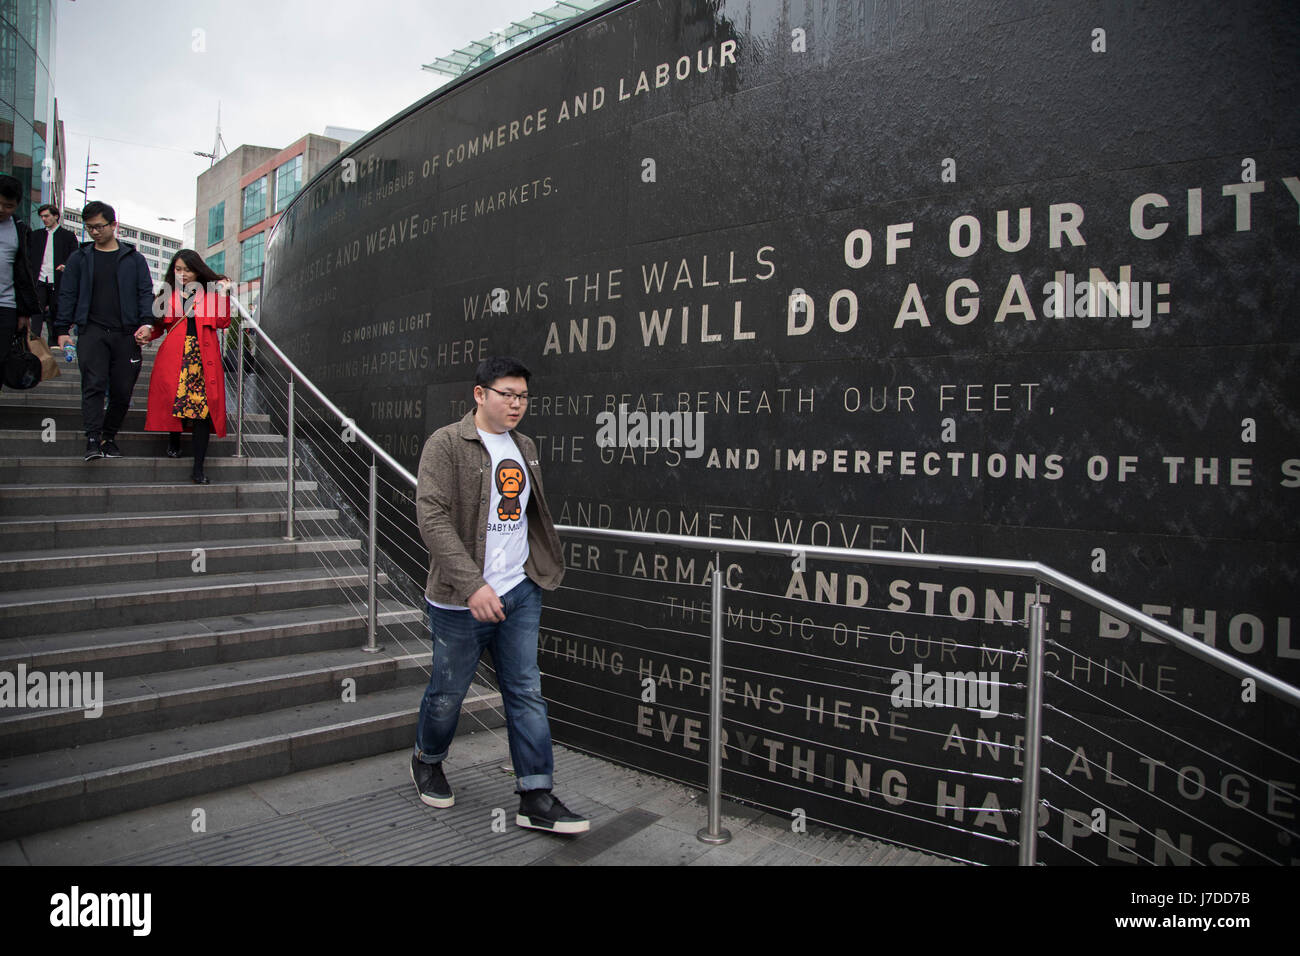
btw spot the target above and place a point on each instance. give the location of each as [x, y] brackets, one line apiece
[239, 390]
[371, 647]
[1033, 737]
[714, 833]
[288, 531]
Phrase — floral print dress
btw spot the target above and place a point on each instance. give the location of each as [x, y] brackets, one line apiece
[191, 397]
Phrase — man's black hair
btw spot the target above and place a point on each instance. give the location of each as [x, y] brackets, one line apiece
[11, 188]
[500, 366]
[50, 208]
[97, 208]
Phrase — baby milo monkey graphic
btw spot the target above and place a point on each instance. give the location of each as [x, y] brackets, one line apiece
[510, 483]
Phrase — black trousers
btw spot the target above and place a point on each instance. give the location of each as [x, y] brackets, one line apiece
[8, 327]
[110, 364]
[45, 297]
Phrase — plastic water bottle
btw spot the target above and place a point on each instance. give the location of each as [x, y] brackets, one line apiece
[69, 353]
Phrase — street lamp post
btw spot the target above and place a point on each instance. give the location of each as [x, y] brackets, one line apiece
[91, 172]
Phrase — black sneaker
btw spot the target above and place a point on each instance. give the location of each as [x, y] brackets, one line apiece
[431, 783]
[110, 449]
[538, 810]
[92, 449]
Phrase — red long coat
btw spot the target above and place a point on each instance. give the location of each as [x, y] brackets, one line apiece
[211, 313]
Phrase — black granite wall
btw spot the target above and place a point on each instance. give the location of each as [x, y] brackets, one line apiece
[833, 229]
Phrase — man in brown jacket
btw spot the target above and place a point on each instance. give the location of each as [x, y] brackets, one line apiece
[492, 548]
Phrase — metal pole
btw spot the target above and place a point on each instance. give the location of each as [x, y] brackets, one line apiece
[371, 647]
[288, 531]
[239, 391]
[1033, 738]
[714, 833]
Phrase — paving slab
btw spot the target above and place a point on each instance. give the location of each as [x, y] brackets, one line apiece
[656, 845]
[366, 812]
[746, 843]
[11, 854]
[151, 829]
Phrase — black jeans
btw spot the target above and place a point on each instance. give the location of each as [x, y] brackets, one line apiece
[110, 363]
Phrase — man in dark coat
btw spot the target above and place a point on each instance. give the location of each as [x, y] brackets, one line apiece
[107, 294]
[47, 254]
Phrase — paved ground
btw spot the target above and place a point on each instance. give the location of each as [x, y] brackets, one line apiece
[367, 812]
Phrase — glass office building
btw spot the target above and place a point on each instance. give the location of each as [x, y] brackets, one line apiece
[29, 146]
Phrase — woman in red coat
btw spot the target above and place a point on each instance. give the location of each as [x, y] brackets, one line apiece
[188, 386]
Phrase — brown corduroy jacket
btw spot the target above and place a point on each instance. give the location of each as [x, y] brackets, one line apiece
[451, 504]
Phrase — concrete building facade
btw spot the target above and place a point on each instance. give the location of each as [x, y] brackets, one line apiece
[239, 201]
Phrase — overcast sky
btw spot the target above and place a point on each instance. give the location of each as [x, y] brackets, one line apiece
[132, 85]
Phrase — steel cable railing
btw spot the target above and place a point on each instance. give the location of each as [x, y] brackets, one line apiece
[577, 622]
[816, 628]
[642, 625]
[411, 639]
[1177, 703]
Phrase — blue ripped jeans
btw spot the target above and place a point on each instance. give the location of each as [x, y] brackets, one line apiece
[458, 643]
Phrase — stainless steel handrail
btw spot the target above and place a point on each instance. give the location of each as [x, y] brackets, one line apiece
[1040, 573]
[387, 459]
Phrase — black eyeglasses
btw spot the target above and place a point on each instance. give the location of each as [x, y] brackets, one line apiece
[97, 227]
[510, 397]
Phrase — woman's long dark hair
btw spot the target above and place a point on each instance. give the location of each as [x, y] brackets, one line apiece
[203, 275]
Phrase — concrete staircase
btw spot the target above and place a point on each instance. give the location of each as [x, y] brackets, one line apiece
[223, 648]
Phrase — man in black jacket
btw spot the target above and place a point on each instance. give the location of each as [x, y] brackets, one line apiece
[107, 294]
[47, 254]
[17, 290]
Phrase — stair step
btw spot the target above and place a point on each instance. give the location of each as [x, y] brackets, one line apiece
[69, 377]
[135, 467]
[102, 564]
[68, 443]
[170, 645]
[51, 610]
[26, 412]
[57, 788]
[25, 500]
[68, 385]
[64, 393]
[144, 527]
[210, 679]
[147, 703]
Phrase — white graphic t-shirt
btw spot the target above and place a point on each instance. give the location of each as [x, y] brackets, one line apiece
[507, 527]
[507, 524]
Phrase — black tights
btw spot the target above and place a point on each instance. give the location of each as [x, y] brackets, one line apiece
[202, 432]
